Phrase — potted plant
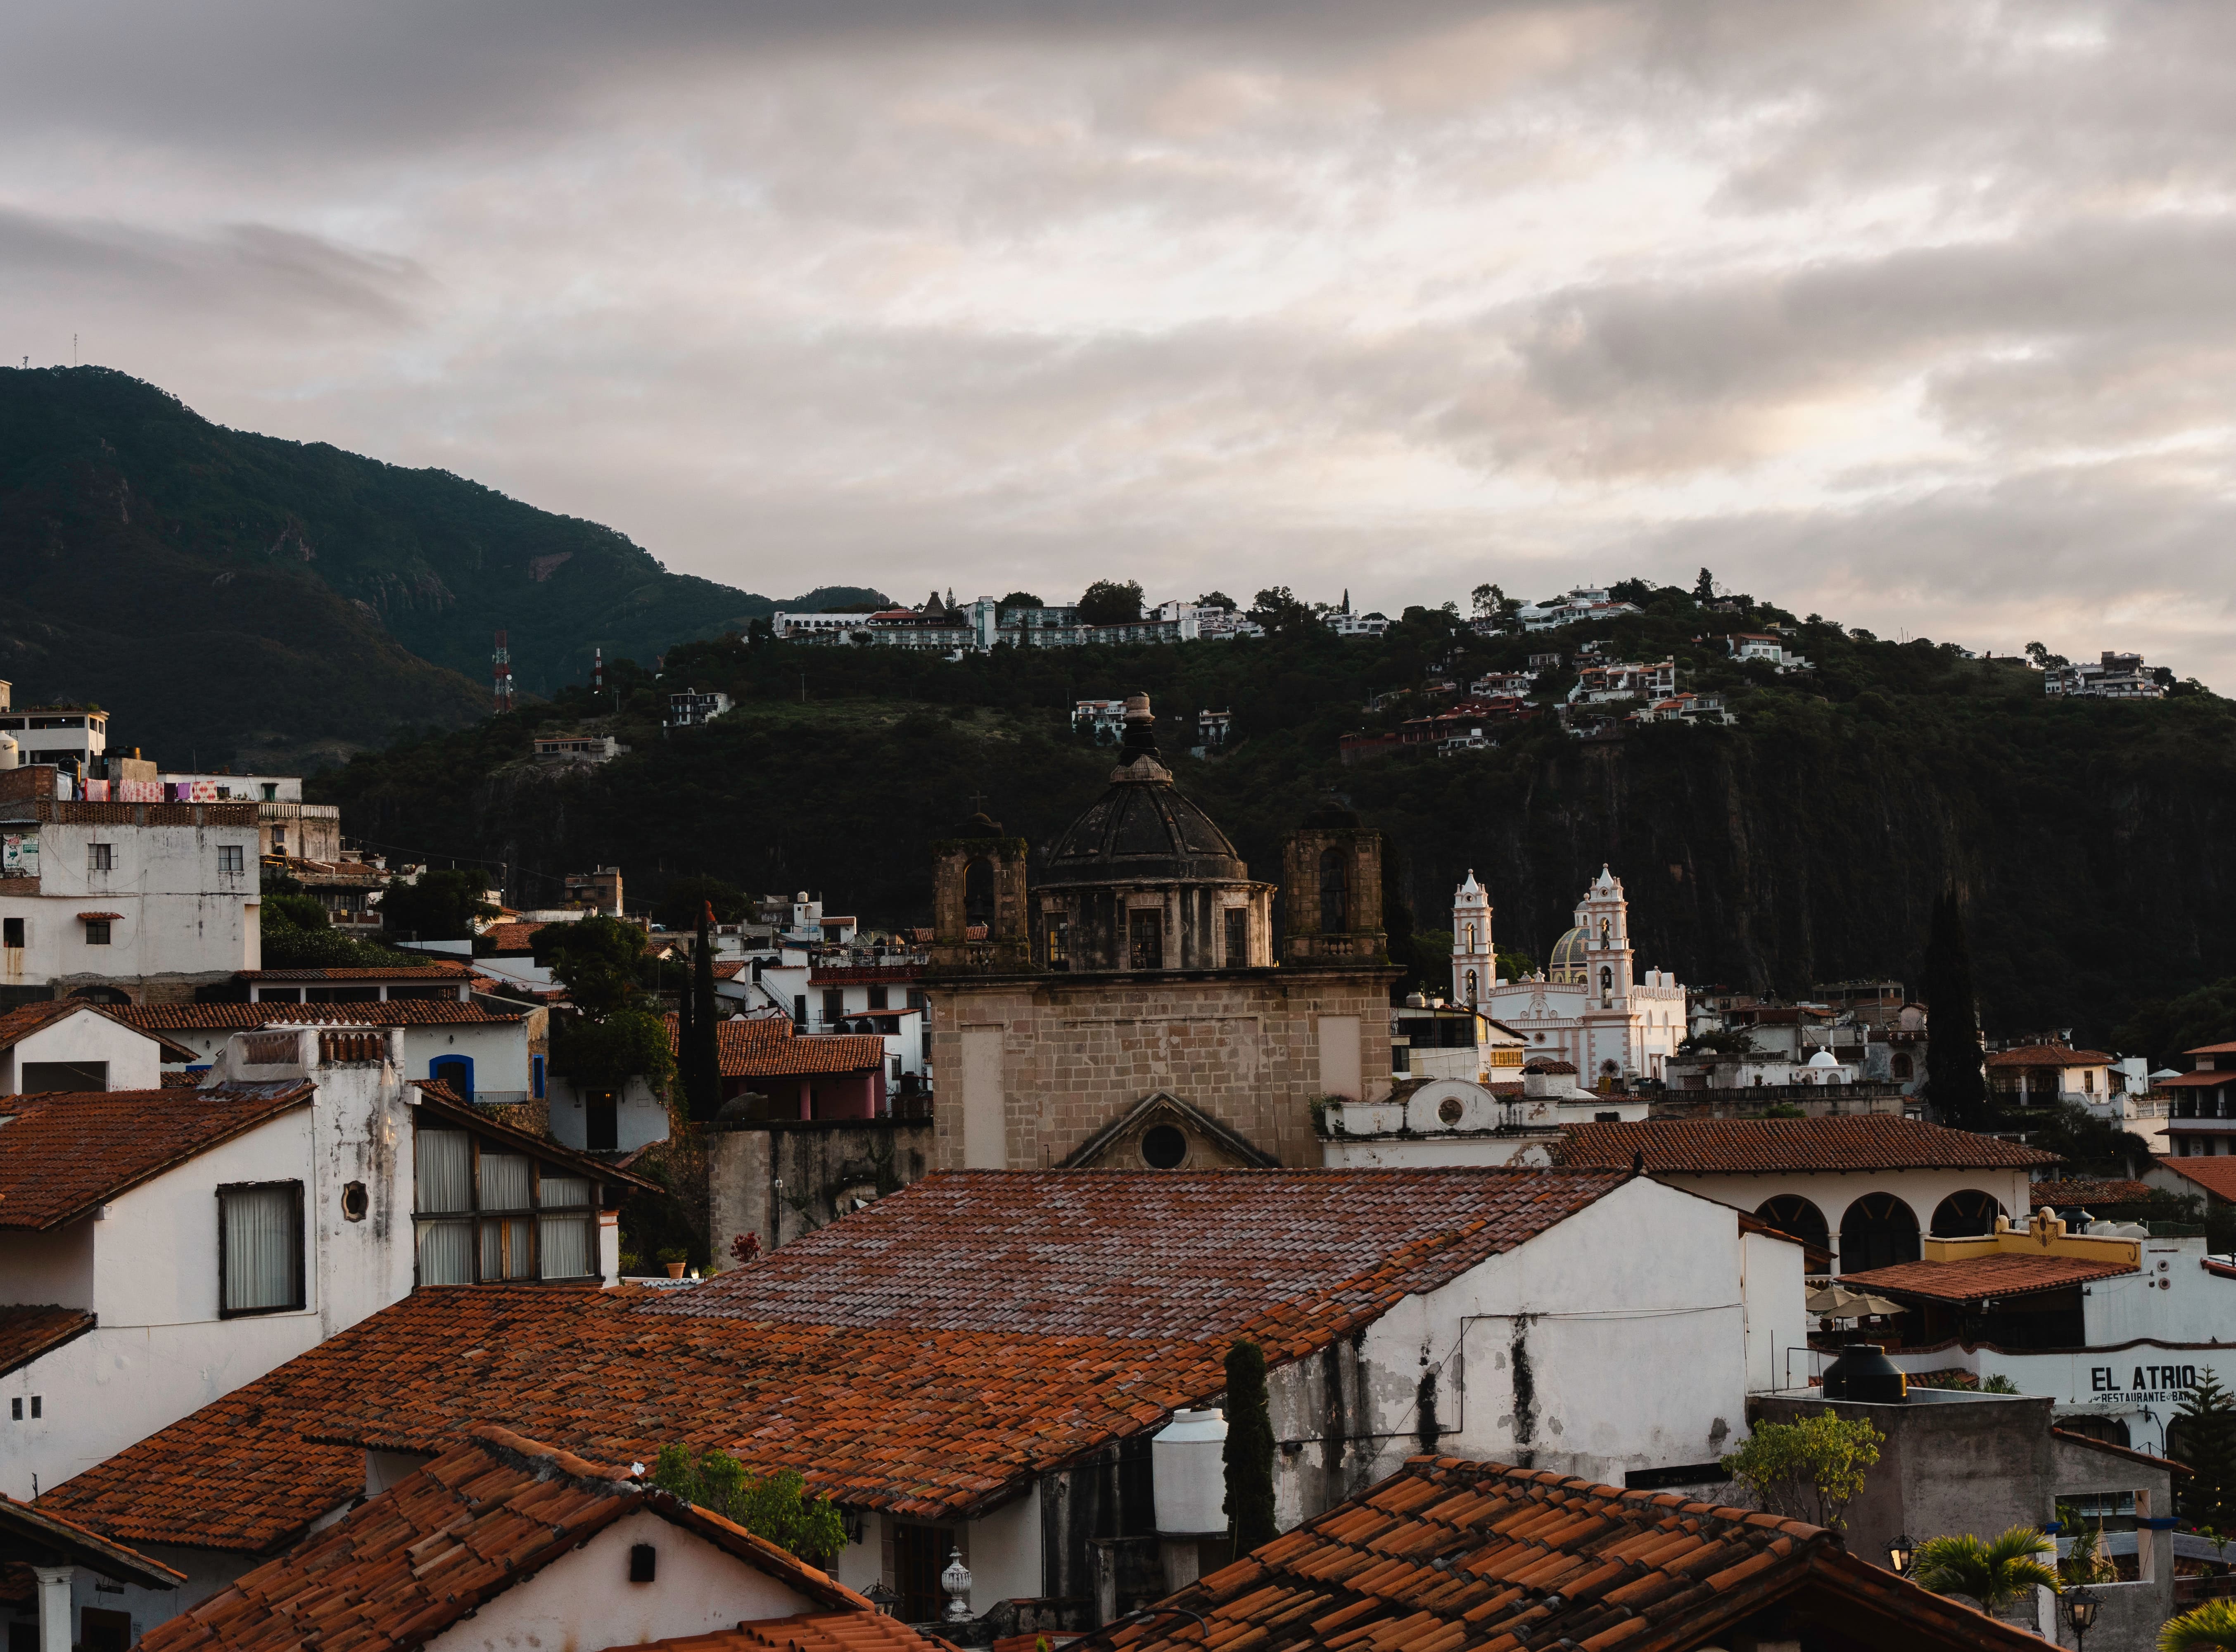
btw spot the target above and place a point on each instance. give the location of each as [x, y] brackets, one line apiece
[675, 1257]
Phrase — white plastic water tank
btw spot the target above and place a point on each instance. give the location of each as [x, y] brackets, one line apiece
[1189, 1478]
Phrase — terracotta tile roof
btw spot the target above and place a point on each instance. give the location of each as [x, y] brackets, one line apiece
[728, 968]
[398, 972]
[2210, 1050]
[27, 1333]
[240, 1017]
[1979, 1278]
[816, 1632]
[512, 938]
[63, 1154]
[1446, 1555]
[766, 1047]
[21, 1023]
[2216, 1175]
[965, 1292]
[1859, 1141]
[2048, 1056]
[2209, 1078]
[867, 974]
[1143, 1253]
[442, 1542]
[2059, 1195]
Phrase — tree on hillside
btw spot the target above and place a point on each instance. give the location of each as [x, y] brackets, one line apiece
[1217, 599]
[1019, 599]
[1955, 1083]
[1110, 602]
[2169, 1027]
[440, 907]
[1249, 1454]
[1486, 599]
[1704, 588]
[597, 957]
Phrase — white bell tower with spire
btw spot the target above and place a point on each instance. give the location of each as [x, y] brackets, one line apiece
[1474, 964]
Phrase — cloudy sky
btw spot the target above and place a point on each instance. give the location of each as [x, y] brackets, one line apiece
[1922, 316]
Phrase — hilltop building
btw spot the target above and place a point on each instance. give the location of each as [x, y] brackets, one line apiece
[1126, 1009]
[2114, 676]
[1588, 1007]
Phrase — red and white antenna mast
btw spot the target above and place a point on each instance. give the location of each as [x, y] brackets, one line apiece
[500, 670]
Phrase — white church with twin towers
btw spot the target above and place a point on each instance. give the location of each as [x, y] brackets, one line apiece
[1589, 1007]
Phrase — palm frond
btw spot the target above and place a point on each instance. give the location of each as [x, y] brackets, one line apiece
[2213, 1624]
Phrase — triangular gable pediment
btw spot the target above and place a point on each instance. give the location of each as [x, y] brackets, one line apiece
[1124, 1144]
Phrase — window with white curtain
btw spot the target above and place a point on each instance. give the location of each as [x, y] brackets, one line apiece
[442, 1172]
[446, 1253]
[261, 1248]
[566, 1243]
[509, 1248]
[505, 1182]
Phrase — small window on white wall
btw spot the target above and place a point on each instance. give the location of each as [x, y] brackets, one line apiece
[231, 858]
[261, 1248]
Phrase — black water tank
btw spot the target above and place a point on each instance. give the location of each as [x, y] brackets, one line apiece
[1864, 1372]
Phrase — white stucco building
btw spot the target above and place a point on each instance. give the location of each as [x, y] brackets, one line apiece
[130, 899]
[1590, 1007]
[72, 1044]
[161, 1247]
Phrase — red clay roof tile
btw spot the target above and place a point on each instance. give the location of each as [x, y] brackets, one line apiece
[767, 1047]
[1977, 1277]
[2048, 1056]
[442, 1542]
[239, 1017]
[1856, 1141]
[2061, 1194]
[1526, 1557]
[2216, 1175]
[27, 1333]
[64, 1153]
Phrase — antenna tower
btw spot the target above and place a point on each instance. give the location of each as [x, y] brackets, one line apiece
[597, 672]
[501, 671]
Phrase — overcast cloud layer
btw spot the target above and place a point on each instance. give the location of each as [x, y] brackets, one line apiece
[1918, 315]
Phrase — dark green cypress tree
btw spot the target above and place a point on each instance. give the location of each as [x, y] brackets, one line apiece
[684, 1043]
[2204, 1437]
[1955, 1081]
[1249, 1454]
[702, 1059]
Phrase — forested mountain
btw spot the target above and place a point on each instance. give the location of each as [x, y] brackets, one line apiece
[234, 597]
[1805, 844]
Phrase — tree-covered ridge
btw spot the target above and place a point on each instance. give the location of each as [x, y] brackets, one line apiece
[1806, 844]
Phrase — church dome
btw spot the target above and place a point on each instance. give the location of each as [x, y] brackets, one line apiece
[1141, 829]
[1822, 1058]
[1569, 961]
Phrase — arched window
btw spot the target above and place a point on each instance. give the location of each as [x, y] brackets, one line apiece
[1795, 1217]
[1470, 947]
[1877, 1231]
[1966, 1215]
[1900, 1067]
[1471, 987]
[1335, 893]
[978, 895]
[1607, 984]
[1605, 930]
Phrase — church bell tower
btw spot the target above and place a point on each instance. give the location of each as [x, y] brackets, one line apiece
[1474, 963]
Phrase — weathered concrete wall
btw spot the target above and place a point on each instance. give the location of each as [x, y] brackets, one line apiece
[781, 1178]
[1058, 1057]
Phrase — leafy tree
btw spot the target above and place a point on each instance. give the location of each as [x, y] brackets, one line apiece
[1704, 588]
[774, 1506]
[1110, 602]
[440, 907]
[1807, 1469]
[296, 934]
[1282, 612]
[606, 1052]
[1994, 1572]
[1955, 1081]
[1217, 599]
[1517, 966]
[1735, 1041]
[2203, 1436]
[2168, 1027]
[1019, 599]
[303, 911]
[1484, 600]
[1249, 1454]
[678, 903]
[597, 957]
[2209, 1625]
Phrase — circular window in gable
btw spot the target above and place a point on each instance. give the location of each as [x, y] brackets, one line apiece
[354, 1201]
[1163, 1148]
[1451, 1109]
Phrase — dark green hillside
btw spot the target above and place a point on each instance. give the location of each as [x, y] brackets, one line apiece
[1803, 845]
[292, 582]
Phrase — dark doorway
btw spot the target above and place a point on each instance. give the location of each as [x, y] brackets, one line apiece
[63, 1075]
[103, 1631]
[601, 1122]
[978, 895]
[456, 1071]
[920, 1556]
[1877, 1231]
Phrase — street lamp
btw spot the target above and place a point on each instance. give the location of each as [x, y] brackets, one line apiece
[1902, 1551]
[883, 1598]
[2081, 1612]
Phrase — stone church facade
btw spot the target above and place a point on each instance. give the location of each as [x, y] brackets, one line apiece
[1124, 1011]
